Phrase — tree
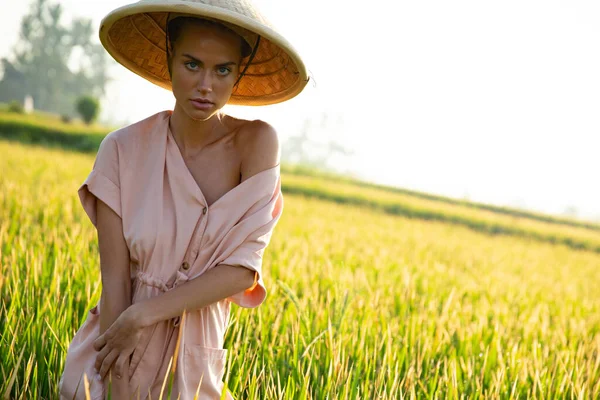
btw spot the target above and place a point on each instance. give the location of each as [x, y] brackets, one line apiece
[41, 60]
[12, 86]
[89, 108]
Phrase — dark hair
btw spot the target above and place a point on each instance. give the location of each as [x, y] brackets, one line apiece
[175, 26]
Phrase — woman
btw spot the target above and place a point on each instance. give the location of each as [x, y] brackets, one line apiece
[184, 201]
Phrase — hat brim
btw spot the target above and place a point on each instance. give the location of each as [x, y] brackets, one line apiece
[134, 35]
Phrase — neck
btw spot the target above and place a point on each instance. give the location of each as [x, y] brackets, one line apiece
[192, 135]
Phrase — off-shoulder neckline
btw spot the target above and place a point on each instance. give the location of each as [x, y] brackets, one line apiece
[193, 182]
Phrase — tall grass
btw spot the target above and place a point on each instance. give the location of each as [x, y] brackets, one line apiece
[362, 304]
[481, 220]
[50, 131]
[307, 171]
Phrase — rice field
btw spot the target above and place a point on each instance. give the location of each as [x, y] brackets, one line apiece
[362, 303]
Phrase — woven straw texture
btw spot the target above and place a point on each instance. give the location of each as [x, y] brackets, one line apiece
[135, 36]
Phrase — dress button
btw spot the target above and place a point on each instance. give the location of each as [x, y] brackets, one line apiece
[185, 266]
[204, 210]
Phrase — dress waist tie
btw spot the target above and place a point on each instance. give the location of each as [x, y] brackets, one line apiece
[150, 280]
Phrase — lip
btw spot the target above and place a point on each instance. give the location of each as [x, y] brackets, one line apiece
[202, 104]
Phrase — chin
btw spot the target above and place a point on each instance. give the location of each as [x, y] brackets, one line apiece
[201, 115]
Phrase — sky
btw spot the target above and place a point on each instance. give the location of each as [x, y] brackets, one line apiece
[497, 102]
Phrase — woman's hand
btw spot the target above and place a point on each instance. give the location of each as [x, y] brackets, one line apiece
[117, 343]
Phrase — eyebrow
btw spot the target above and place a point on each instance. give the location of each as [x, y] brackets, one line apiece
[225, 64]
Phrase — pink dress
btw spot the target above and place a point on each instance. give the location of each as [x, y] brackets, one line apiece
[173, 236]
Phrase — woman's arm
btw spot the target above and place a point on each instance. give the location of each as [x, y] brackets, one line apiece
[116, 281]
[120, 339]
[214, 285]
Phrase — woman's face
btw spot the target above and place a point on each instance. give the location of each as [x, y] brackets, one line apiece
[204, 67]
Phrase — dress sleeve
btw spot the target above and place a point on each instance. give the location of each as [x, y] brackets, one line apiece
[103, 181]
[250, 255]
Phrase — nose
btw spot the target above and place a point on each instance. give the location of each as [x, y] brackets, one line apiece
[204, 83]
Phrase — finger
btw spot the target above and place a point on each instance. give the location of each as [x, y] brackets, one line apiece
[99, 342]
[108, 362]
[101, 356]
[121, 366]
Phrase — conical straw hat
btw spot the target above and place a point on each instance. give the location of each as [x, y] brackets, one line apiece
[135, 34]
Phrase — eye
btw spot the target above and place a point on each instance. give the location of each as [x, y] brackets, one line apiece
[223, 71]
[192, 65]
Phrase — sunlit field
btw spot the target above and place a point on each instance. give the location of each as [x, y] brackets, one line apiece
[363, 302]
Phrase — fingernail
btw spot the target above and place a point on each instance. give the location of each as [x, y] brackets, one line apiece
[98, 377]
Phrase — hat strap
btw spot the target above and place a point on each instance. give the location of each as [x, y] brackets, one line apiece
[254, 50]
[167, 46]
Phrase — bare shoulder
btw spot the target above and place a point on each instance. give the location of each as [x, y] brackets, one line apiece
[258, 143]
